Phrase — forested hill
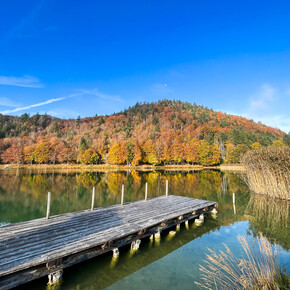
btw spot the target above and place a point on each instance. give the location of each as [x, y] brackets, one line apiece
[148, 133]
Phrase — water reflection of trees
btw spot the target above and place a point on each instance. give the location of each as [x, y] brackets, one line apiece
[271, 217]
[72, 191]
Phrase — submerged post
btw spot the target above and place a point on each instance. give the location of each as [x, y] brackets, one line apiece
[93, 199]
[122, 196]
[166, 187]
[146, 190]
[48, 205]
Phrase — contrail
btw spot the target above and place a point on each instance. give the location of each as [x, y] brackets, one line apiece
[36, 105]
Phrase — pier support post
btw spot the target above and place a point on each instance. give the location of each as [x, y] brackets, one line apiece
[157, 236]
[122, 196]
[116, 253]
[166, 193]
[178, 227]
[48, 205]
[214, 211]
[135, 245]
[198, 222]
[234, 202]
[172, 233]
[54, 278]
[186, 224]
[146, 190]
[93, 199]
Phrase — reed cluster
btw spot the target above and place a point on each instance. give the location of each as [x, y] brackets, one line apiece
[259, 269]
[268, 171]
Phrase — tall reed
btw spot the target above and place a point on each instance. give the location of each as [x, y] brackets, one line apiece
[259, 269]
[268, 171]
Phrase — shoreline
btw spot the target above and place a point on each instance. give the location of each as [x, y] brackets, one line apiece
[105, 167]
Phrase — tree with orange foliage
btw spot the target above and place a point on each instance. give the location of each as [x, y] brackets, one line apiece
[13, 154]
[150, 155]
[178, 149]
[137, 154]
[117, 154]
[41, 152]
[190, 151]
[28, 152]
[230, 150]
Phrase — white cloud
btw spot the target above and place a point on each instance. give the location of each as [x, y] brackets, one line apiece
[261, 102]
[8, 103]
[281, 122]
[261, 109]
[25, 81]
[81, 92]
[32, 106]
[97, 93]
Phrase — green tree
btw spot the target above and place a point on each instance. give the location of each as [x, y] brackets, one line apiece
[89, 156]
[286, 139]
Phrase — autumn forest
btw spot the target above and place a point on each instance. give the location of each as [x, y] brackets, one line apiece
[161, 133]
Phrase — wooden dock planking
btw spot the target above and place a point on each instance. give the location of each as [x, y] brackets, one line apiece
[27, 249]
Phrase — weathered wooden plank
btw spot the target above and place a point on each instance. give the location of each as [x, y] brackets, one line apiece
[88, 222]
[52, 241]
[28, 244]
[126, 221]
[89, 241]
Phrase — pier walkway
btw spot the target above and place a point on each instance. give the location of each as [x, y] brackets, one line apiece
[33, 249]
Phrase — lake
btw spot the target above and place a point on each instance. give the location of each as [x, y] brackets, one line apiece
[171, 263]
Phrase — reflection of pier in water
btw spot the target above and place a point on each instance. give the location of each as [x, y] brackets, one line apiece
[101, 273]
[33, 249]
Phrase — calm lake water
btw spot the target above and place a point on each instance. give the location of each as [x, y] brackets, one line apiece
[172, 263]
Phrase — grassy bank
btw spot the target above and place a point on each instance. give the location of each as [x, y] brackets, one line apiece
[107, 167]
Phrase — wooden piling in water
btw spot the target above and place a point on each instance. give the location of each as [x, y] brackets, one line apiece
[93, 199]
[146, 190]
[122, 196]
[166, 188]
[48, 205]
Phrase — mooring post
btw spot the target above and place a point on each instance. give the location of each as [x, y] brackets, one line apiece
[166, 187]
[48, 205]
[93, 199]
[234, 203]
[146, 190]
[122, 196]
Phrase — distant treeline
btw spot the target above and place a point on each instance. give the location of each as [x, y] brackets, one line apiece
[166, 132]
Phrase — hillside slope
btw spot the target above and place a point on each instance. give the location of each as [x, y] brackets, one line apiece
[154, 133]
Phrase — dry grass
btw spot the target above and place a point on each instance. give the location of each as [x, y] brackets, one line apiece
[258, 270]
[268, 171]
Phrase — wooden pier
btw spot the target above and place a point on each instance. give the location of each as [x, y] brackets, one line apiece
[44, 247]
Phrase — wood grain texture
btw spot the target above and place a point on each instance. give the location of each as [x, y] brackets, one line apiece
[33, 243]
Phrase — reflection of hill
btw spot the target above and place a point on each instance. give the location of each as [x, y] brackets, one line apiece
[270, 216]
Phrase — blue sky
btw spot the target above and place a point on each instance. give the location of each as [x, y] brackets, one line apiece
[70, 58]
